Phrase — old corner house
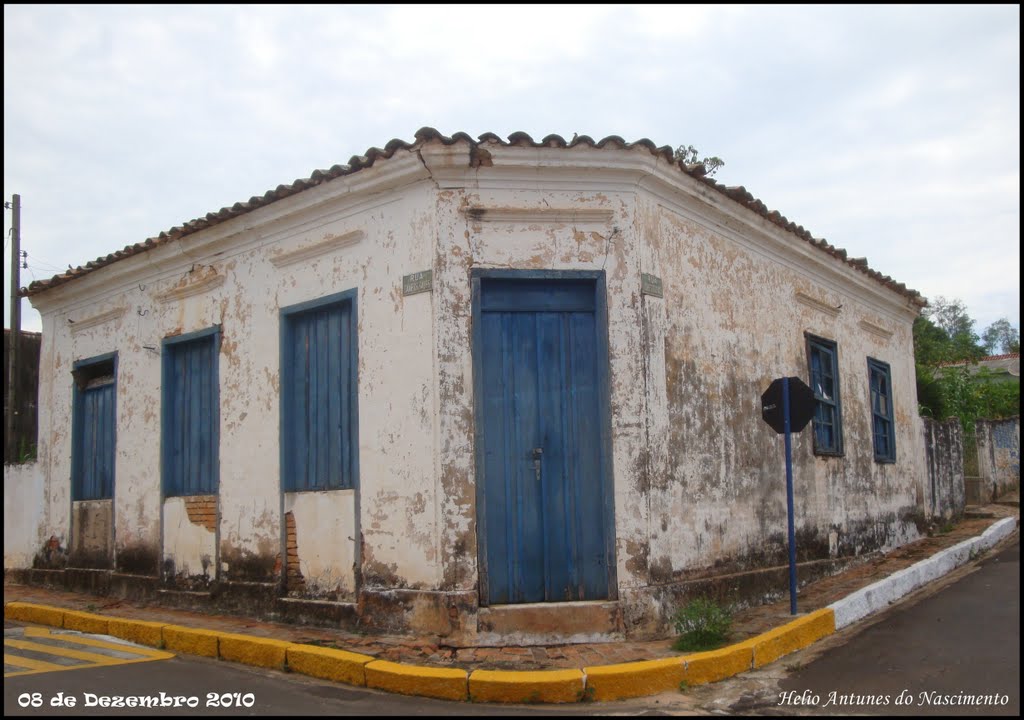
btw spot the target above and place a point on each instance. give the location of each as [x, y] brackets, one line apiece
[486, 389]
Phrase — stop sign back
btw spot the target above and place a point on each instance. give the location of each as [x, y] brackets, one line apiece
[801, 405]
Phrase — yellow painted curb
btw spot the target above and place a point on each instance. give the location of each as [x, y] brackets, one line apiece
[539, 686]
[142, 632]
[634, 679]
[261, 652]
[190, 640]
[443, 683]
[328, 663]
[29, 612]
[86, 622]
[715, 665]
[606, 682]
[770, 646]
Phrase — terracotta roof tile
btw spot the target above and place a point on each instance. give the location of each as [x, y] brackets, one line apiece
[738, 194]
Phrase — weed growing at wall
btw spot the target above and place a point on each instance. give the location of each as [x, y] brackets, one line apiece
[702, 624]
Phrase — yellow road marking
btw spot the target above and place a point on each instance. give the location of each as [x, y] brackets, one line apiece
[89, 659]
[30, 664]
[38, 632]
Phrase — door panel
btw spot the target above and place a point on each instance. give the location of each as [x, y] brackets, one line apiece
[543, 479]
[96, 461]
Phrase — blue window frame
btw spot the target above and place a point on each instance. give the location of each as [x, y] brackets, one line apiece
[883, 430]
[94, 428]
[823, 360]
[319, 389]
[190, 437]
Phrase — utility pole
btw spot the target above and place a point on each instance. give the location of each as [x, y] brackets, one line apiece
[11, 449]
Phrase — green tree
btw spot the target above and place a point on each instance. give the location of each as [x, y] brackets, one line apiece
[690, 155]
[944, 334]
[1001, 337]
[931, 343]
[951, 317]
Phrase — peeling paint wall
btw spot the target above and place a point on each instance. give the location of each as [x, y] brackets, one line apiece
[697, 477]
[737, 311]
[944, 455]
[190, 541]
[320, 539]
[238, 276]
[999, 455]
[23, 513]
[92, 534]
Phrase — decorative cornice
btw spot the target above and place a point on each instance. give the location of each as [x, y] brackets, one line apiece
[312, 250]
[195, 288]
[874, 329]
[94, 320]
[544, 215]
[816, 304]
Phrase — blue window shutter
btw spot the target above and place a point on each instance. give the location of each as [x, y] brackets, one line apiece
[191, 414]
[883, 430]
[94, 433]
[823, 362]
[319, 436]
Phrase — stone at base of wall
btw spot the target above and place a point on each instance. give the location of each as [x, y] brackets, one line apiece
[550, 623]
[649, 610]
[454, 617]
[451, 616]
[322, 613]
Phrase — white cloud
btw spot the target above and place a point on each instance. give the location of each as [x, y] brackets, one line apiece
[892, 131]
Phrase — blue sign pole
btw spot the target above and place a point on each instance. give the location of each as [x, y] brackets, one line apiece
[789, 497]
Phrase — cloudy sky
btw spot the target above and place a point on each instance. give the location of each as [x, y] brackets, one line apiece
[893, 132]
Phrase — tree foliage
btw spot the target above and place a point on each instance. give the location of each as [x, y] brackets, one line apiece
[1001, 337]
[944, 334]
[950, 316]
[690, 155]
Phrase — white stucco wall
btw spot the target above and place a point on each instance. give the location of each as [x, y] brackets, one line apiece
[189, 547]
[698, 478]
[23, 514]
[736, 311]
[239, 278]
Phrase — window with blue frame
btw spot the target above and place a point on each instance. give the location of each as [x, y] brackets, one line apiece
[319, 434]
[190, 436]
[93, 431]
[883, 431]
[823, 360]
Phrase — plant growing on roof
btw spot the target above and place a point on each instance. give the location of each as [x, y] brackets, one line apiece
[690, 155]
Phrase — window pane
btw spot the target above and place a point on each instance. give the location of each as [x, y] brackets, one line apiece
[824, 374]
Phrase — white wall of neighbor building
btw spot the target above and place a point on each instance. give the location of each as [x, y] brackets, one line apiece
[23, 513]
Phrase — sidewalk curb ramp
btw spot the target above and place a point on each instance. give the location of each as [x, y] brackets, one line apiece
[599, 683]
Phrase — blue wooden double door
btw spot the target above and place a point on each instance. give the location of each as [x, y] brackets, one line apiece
[544, 496]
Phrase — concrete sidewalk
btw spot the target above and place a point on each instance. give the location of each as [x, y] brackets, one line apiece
[562, 673]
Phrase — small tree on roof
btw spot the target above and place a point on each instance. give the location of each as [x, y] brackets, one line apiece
[690, 155]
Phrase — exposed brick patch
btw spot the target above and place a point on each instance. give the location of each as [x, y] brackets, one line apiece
[202, 510]
[295, 580]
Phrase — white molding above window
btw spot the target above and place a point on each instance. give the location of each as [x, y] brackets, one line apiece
[546, 215]
[195, 288]
[94, 320]
[315, 249]
[816, 304]
[874, 329]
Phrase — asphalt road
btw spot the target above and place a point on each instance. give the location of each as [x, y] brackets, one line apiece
[198, 686]
[956, 652]
[956, 639]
